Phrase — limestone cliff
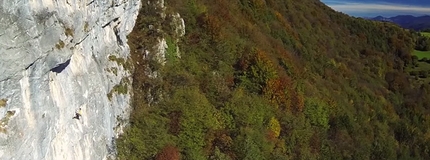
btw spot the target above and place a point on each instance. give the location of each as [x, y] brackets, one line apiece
[56, 57]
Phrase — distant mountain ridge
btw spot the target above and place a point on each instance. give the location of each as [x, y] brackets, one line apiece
[407, 21]
[380, 18]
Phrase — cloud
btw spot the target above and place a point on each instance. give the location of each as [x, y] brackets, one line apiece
[358, 8]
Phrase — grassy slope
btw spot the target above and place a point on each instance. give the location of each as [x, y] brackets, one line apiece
[421, 68]
[422, 54]
[275, 80]
[426, 34]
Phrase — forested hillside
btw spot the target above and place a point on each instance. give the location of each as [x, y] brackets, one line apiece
[273, 79]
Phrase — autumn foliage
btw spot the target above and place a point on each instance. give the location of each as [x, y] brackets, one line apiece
[274, 79]
[169, 152]
[280, 91]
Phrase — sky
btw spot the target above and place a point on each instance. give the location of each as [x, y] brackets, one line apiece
[386, 8]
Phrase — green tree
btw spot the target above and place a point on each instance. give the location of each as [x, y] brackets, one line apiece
[317, 113]
[196, 119]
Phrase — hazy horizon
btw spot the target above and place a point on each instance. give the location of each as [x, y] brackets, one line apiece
[387, 8]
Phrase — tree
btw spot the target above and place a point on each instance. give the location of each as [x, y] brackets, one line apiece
[169, 152]
[317, 113]
[423, 43]
[275, 127]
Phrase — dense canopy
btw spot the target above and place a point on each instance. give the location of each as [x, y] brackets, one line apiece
[274, 79]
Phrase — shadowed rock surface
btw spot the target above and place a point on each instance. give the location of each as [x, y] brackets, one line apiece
[61, 67]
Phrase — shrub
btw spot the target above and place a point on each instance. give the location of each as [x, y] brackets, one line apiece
[68, 32]
[5, 120]
[3, 102]
[60, 45]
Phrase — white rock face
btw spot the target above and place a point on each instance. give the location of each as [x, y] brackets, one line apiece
[57, 56]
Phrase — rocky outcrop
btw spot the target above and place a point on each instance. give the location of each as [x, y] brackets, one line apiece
[56, 57]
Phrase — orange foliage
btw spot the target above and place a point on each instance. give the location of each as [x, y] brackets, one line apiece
[213, 25]
[271, 136]
[298, 102]
[278, 91]
[169, 152]
[261, 58]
